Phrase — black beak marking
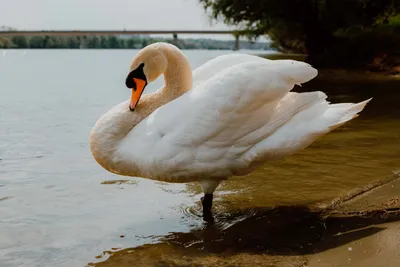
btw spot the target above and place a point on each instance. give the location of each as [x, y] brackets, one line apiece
[136, 73]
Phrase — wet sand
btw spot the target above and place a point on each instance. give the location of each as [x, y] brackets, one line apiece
[363, 230]
[378, 210]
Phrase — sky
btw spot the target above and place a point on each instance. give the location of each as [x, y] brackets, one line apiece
[106, 15]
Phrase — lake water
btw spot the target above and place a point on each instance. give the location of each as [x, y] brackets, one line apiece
[56, 210]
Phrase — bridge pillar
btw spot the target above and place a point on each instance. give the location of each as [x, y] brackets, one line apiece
[175, 39]
[236, 42]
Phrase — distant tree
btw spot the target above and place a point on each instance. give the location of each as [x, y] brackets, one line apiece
[20, 41]
[145, 42]
[104, 42]
[94, 42]
[308, 26]
[122, 43]
[72, 42]
[58, 42]
[36, 42]
[131, 43]
[113, 42]
[5, 43]
[48, 42]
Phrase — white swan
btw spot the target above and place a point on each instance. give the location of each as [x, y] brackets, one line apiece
[224, 119]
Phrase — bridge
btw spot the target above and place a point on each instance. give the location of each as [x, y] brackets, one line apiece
[235, 34]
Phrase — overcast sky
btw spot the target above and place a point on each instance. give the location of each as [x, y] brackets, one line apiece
[105, 14]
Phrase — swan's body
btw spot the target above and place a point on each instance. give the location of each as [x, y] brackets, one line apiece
[232, 114]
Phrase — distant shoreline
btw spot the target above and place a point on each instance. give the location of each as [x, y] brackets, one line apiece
[202, 49]
[118, 42]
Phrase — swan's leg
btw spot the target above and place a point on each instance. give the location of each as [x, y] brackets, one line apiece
[209, 187]
[207, 202]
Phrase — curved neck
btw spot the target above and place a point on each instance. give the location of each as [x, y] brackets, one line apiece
[113, 126]
[178, 75]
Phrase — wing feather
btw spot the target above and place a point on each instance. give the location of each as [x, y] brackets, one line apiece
[207, 131]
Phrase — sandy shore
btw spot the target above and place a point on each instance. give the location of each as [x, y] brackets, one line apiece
[363, 230]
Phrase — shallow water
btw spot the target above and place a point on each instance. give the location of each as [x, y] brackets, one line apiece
[56, 210]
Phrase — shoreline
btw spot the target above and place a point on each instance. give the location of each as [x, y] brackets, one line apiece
[357, 231]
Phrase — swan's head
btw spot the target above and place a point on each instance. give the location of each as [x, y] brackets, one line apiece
[146, 67]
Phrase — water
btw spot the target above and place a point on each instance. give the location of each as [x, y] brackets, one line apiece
[56, 210]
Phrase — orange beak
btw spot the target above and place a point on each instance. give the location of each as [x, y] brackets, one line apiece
[136, 94]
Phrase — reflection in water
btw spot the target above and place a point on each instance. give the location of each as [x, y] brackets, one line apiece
[59, 208]
[261, 236]
[119, 182]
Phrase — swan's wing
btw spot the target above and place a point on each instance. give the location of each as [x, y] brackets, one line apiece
[314, 117]
[207, 131]
[220, 63]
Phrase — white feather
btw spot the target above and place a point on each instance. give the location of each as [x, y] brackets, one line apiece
[239, 114]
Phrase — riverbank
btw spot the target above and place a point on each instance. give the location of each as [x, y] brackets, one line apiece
[362, 230]
[389, 63]
[382, 66]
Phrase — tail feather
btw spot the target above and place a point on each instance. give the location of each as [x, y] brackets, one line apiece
[303, 128]
[344, 112]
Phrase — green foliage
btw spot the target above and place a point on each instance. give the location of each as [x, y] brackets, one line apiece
[395, 21]
[305, 26]
[73, 42]
[114, 42]
[6, 43]
[94, 42]
[58, 42]
[144, 42]
[36, 42]
[20, 41]
[130, 43]
[104, 42]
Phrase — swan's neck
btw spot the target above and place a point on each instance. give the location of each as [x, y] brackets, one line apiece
[178, 76]
[111, 129]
